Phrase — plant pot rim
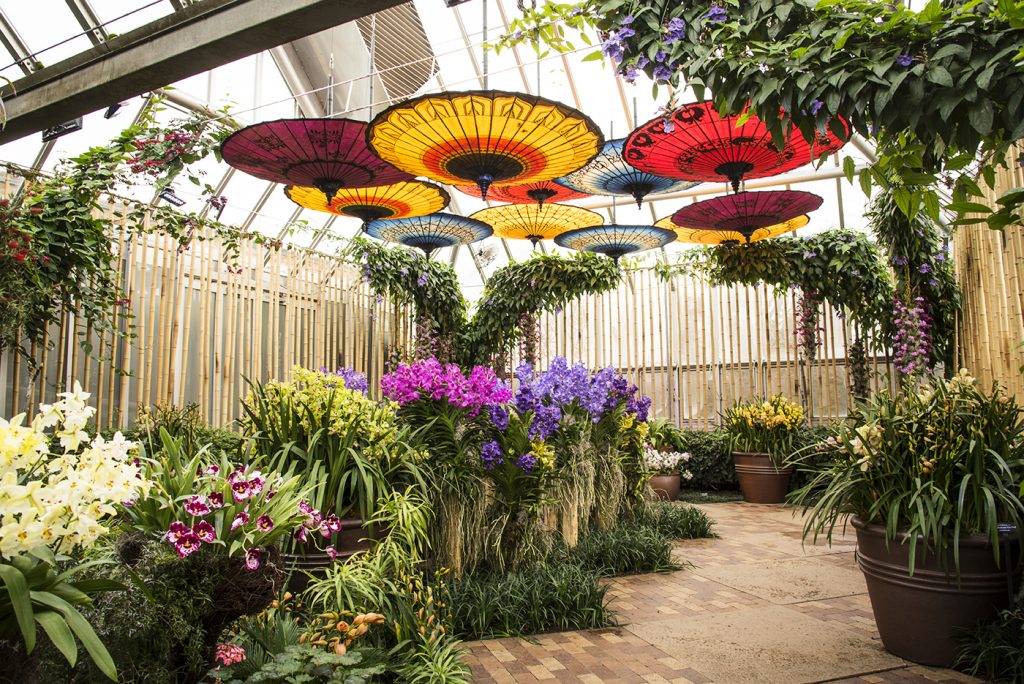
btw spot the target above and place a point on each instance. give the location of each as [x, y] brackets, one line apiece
[876, 530]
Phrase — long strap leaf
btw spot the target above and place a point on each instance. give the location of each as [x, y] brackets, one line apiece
[17, 590]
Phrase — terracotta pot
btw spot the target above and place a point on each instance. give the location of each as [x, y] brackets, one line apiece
[760, 480]
[919, 617]
[352, 538]
[666, 486]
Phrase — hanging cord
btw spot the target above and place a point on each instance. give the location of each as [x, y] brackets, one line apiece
[330, 86]
[611, 136]
[484, 44]
[373, 60]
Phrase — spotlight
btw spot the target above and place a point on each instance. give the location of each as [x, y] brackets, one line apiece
[453, 3]
[114, 109]
[55, 132]
[168, 196]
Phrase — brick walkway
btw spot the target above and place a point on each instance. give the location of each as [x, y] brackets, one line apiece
[756, 606]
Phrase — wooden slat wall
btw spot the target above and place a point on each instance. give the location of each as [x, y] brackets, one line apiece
[990, 269]
[696, 348]
[202, 328]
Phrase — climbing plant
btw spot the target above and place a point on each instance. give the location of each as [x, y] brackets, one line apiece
[920, 261]
[932, 87]
[57, 254]
[512, 296]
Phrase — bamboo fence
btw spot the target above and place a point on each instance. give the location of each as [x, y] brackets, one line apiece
[990, 269]
[201, 326]
[695, 349]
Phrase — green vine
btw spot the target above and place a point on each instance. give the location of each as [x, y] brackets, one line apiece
[842, 267]
[923, 268]
[57, 254]
[931, 87]
[518, 290]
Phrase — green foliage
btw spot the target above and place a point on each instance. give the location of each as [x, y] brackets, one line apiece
[302, 663]
[994, 651]
[38, 589]
[349, 447]
[710, 457]
[936, 465]
[674, 521]
[923, 268]
[627, 548]
[931, 86]
[546, 597]
[185, 423]
[397, 272]
[541, 283]
[843, 267]
[178, 475]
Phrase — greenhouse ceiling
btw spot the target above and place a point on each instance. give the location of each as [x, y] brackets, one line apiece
[411, 48]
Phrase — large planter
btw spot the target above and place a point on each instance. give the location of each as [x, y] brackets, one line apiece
[352, 538]
[761, 481]
[919, 617]
[666, 486]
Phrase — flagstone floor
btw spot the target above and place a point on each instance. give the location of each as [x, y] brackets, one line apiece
[757, 606]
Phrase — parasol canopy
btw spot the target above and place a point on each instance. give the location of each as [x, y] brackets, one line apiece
[484, 137]
[609, 174]
[696, 143]
[401, 200]
[535, 223]
[539, 192]
[327, 154]
[431, 231]
[615, 240]
[720, 237]
[747, 212]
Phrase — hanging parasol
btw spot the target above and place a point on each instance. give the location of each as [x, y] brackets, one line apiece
[701, 236]
[327, 154]
[401, 200]
[747, 212]
[609, 174]
[431, 231]
[615, 240]
[535, 223]
[696, 143]
[484, 137]
[539, 192]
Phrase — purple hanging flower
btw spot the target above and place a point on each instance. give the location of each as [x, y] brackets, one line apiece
[675, 31]
[816, 106]
[613, 50]
[422, 280]
[904, 59]
[662, 73]
[716, 14]
[924, 268]
[491, 455]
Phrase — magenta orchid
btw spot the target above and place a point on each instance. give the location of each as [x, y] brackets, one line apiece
[264, 523]
[239, 520]
[204, 531]
[429, 379]
[196, 505]
[252, 559]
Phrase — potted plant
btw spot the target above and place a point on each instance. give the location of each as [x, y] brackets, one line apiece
[324, 427]
[930, 481]
[761, 436]
[664, 465]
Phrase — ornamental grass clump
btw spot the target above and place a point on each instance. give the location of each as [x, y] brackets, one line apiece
[766, 427]
[934, 465]
[350, 446]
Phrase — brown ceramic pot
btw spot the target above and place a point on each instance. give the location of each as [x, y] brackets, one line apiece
[352, 538]
[919, 618]
[760, 480]
[666, 486]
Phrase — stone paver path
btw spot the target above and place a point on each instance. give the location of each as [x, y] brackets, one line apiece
[757, 606]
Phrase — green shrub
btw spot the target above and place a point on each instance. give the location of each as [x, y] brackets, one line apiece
[550, 596]
[995, 651]
[625, 549]
[710, 458]
[675, 521]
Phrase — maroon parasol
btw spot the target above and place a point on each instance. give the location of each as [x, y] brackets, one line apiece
[327, 154]
[747, 212]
